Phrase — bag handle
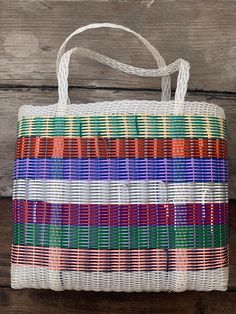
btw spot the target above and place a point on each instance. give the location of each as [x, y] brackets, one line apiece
[179, 65]
[166, 82]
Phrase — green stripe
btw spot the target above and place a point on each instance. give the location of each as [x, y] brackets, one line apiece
[163, 237]
[124, 126]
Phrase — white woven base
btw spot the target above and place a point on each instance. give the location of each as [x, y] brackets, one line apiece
[125, 107]
[43, 278]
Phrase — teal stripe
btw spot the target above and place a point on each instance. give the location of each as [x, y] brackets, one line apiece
[124, 126]
[162, 237]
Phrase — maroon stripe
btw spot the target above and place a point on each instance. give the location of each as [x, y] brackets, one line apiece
[119, 215]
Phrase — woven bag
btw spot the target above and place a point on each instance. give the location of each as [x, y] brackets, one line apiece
[126, 195]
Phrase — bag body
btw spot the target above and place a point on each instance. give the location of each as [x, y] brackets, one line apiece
[124, 195]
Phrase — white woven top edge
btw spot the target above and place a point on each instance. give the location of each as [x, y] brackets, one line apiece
[125, 107]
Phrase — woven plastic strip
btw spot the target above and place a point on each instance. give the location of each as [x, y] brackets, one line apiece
[127, 195]
[98, 147]
[166, 88]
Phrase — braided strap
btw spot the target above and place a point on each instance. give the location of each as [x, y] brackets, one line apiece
[166, 83]
[179, 65]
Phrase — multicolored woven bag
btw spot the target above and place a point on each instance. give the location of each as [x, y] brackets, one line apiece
[124, 195]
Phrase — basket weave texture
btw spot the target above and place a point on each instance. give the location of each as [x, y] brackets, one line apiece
[121, 196]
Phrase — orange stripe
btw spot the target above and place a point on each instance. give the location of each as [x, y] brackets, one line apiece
[59, 147]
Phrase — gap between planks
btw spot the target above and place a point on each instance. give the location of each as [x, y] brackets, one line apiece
[216, 94]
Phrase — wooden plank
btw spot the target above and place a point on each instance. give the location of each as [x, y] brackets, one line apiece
[202, 32]
[11, 100]
[5, 241]
[44, 302]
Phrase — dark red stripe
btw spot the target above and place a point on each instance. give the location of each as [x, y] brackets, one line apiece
[119, 215]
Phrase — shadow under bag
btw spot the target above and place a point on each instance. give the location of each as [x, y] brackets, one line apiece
[127, 195]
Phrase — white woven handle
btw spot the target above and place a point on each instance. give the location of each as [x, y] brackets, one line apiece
[164, 71]
[166, 83]
[179, 65]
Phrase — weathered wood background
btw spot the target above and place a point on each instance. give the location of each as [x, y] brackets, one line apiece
[202, 32]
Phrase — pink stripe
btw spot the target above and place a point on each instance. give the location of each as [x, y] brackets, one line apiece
[120, 260]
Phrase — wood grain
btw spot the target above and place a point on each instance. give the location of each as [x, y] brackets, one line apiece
[12, 99]
[5, 242]
[40, 301]
[202, 32]
[44, 302]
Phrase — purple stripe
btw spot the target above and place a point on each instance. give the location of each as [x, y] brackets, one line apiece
[164, 169]
[120, 215]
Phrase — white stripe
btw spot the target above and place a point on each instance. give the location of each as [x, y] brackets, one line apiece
[44, 278]
[125, 107]
[119, 192]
